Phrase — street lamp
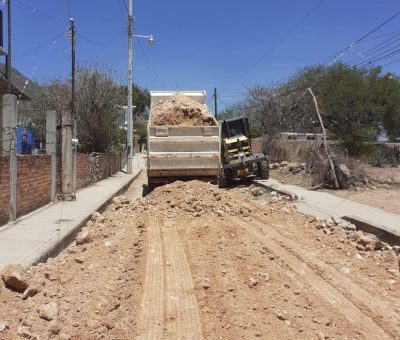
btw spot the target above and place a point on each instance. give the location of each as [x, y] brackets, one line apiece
[149, 37]
[151, 41]
[130, 78]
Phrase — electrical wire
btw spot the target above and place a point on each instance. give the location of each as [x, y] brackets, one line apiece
[276, 45]
[392, 62]
[123, 12]
[147, 60]
[126, 7]
[35, 10]
[374, 50]
[334, 56]
[104, 43]
[382, 53]
[370, 62]
[39, 46]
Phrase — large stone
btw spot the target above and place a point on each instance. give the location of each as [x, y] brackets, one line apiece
[48, 311]
[29, 292]
[3, 327]
[368, 242]
[97, 217]
[14, 277]
[83, 237]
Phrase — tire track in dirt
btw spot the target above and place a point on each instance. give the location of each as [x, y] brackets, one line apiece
[328, 292]
[169, 308]
[380, 311]
[183, 317]
[152, 305]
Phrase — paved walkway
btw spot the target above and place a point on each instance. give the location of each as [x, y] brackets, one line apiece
[324, 205]
[45, 232]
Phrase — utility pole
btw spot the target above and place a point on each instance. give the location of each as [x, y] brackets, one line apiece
[67, 123]
[51, 141]
[130, 118]
[8, 61]
[215, 103]
[73, 109]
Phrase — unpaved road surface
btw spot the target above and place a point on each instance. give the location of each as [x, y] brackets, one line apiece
[191, 261]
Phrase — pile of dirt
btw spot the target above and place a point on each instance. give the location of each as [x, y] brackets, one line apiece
[242, 261]
[180, 110]
[197, 199]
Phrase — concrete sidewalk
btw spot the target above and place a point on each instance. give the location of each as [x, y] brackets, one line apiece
[324, 205]
[45, 232]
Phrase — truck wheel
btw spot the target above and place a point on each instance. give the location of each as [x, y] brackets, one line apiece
[263, 169]
[150, 187]
[223, 180]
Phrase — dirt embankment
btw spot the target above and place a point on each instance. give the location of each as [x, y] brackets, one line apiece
[194, 261]
[180, 110]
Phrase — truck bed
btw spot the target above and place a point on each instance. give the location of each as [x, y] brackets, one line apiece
[183, 152]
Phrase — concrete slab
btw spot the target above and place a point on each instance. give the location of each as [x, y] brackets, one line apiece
[45, 232]
[324, 205]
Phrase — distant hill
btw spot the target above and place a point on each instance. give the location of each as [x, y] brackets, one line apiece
[18, 80]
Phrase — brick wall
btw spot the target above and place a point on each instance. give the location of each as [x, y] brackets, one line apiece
[34, 178]
[33, 184]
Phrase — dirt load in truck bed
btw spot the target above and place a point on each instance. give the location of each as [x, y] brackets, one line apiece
[179, 110]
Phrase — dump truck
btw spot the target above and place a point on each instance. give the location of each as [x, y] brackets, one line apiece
[177, 150]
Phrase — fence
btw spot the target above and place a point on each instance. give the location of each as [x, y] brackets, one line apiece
[34, 178]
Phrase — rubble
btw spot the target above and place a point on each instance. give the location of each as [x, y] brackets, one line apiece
[242, 252]
[83, 237]
[3, 327]
[49, 311]
[14, 277]
[29, 292]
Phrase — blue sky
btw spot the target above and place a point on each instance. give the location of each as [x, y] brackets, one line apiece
[199, 44]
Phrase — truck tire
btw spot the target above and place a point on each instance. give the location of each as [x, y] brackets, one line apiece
[224, 179]
[150, 187]
[263, 169]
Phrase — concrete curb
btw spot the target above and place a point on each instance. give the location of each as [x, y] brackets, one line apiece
[270, 188]
[63, 238]
[381, 223]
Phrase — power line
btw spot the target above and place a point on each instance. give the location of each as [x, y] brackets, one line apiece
[392, 62]
[280, 41]
[103, 43]
[377, 55]
[152, 79]
[126, 7]
[147, 59]
[352, 45]
[369, 62]
[35, 10]
[374, 50]
[40, 46]
[124, 13]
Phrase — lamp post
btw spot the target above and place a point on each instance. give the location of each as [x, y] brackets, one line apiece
[130, 82]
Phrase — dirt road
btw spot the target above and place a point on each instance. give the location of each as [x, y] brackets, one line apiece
[191, 261]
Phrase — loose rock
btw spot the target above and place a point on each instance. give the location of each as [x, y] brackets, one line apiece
[83, 237]
[14, 277]
[49, 311]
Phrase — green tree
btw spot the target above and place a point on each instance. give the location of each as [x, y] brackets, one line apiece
[356, 104]
[98, 106]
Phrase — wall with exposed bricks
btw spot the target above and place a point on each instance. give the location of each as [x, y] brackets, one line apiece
[34, 178]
